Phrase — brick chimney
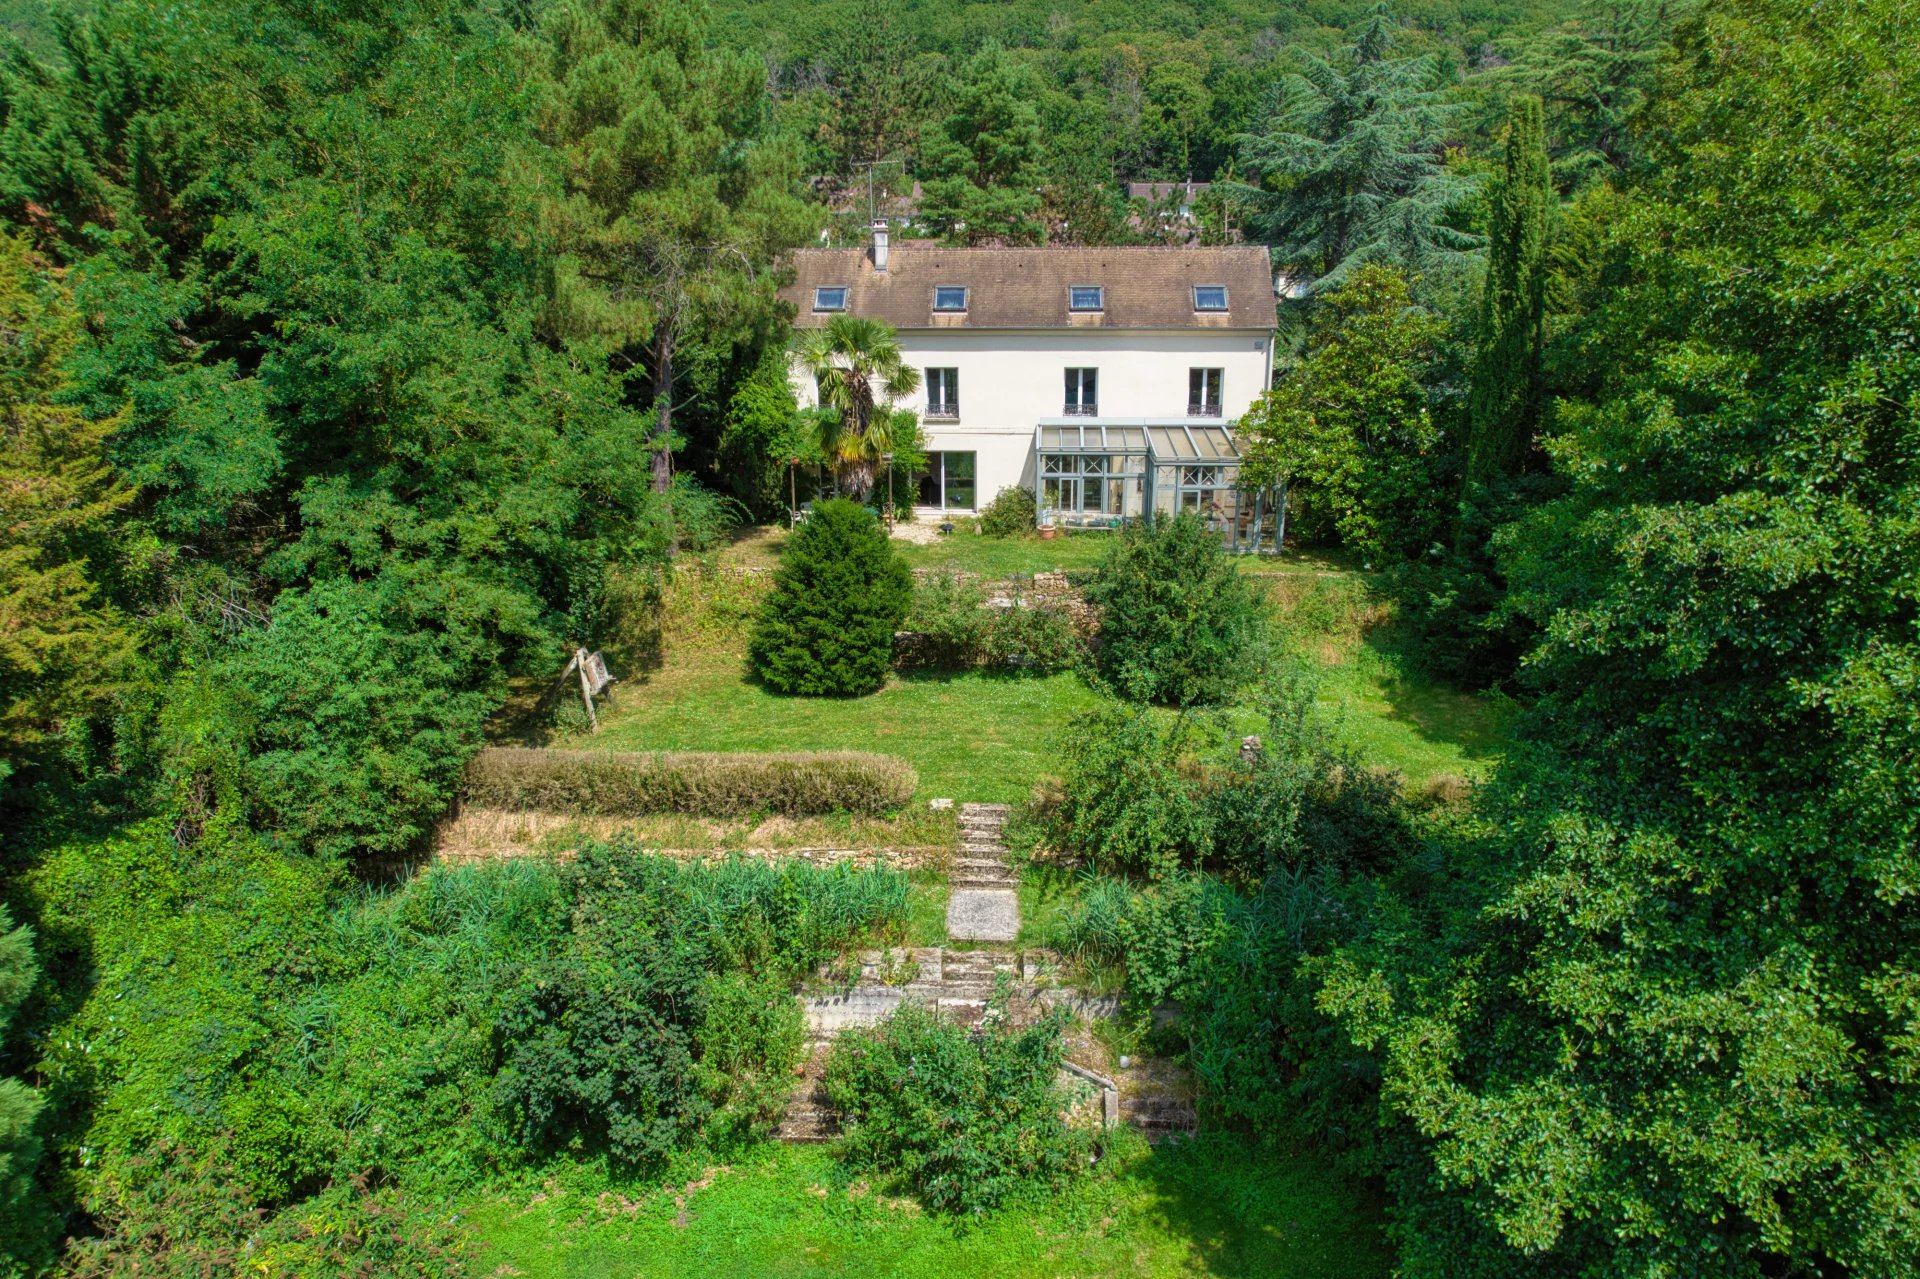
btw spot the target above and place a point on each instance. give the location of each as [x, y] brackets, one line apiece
[880, 244]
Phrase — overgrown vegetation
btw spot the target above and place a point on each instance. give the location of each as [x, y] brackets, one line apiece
[360, 365]
[968, 1119]
[955, 626]
[623, 1006]
[1152, 794]
[1011, 513]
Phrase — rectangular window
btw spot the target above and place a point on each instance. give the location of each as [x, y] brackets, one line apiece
[1083, 392]
[957, 469]
[1086, 297]
[943, 392]
[1209, 297]
[1203, 392]
[948, 484]
[830, 298]
[950, 297]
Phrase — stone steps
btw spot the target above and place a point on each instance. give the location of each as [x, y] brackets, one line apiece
[983, 905]
[809, 1117]
[1158, 1116]
[971, 873]
[960, 982]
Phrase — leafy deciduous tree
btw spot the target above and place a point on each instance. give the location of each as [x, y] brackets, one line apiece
[1349, 425]
[1671, 1027]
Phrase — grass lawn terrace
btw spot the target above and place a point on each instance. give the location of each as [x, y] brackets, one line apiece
[978, 737]
[1207, 1208]
[988, 738]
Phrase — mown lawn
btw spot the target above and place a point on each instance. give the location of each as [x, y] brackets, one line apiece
[1210, 1208]
[989, 737]
[1007, 556]
[981, 738]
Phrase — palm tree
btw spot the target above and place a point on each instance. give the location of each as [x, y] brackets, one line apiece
[860, 371]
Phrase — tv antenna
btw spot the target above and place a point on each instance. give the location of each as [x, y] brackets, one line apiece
[873, 207]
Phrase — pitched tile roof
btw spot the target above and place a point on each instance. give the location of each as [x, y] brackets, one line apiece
[1161, 190]
[1146, 288]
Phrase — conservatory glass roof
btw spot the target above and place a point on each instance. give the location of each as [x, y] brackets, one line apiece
[1093, 437]
[1192, 443]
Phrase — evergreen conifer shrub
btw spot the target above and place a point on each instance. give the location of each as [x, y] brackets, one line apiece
[839, 595]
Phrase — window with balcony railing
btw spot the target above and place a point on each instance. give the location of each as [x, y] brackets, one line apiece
[943, 393]
[1083, 393]
[1203, 392]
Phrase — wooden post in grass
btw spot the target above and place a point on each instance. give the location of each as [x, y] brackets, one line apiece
[593, 678]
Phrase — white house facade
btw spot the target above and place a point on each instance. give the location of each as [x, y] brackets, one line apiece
[1105, 380]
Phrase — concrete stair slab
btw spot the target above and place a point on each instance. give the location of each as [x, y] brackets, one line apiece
[983, 914]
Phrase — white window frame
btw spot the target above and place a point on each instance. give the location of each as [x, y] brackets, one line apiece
[1099, 292]
[1199, 306]
[1214, 379]
[948, 380]
[819, 297]
[1082, 390]
[938, 289]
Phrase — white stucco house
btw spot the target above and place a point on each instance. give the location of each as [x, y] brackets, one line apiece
[1106, 380]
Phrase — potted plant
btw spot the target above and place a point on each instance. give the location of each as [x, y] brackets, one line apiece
[1045, 524]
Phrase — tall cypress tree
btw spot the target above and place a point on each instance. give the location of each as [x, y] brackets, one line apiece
[1504, 405]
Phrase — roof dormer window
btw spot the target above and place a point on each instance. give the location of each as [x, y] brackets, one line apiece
[1086, 297]
[950, 297]
[830, 298]
[1209, 297]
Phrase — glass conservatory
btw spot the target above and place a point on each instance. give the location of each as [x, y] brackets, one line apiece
[1101, 475]
[1091, 475]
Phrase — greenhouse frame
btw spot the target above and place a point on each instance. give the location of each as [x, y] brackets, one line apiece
[1106, 473]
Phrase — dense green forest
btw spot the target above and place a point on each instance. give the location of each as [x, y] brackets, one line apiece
[363, 359]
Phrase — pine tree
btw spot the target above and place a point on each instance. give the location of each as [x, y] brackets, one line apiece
[58, 644]
[983, 162]
[1593, 74]
[678, 193]
[879, 91]
[1352, 168]
[1506, 399]
[838, 597]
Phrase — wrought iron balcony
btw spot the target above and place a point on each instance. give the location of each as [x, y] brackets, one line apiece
[1081, 410]
[945, 409]
[1208, 409]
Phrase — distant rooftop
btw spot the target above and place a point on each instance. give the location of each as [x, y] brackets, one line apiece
[1138, 288]
[1158, 191]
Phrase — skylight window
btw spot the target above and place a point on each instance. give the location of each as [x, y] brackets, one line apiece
[1086, 297]
[830, 299]
[1209, 297]
[950, 297]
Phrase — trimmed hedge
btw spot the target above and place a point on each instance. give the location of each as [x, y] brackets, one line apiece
[702, 783]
